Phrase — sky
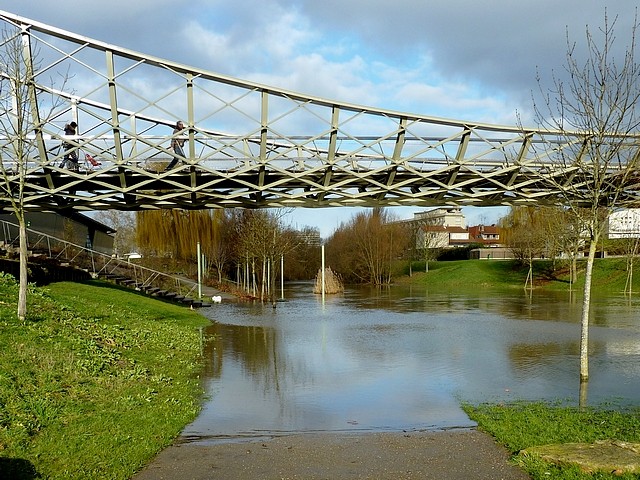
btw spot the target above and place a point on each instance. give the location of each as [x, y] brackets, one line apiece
[459, 59]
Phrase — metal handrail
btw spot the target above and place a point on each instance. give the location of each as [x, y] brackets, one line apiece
[98, 263]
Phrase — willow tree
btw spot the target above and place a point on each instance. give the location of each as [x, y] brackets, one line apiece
[176, 233]
[21, 140]
[597, 102]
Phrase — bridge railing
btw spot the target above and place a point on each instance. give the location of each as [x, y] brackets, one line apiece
[417, 154]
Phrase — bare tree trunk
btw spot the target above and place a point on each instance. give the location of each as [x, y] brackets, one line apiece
[24, 257]
[264, 273]
[582, 398]
[247, 282]
[584, 322]
[254, 279]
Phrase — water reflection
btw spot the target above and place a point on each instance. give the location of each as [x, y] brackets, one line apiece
[404, 358]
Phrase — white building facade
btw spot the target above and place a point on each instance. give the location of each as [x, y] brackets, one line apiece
[624, 224]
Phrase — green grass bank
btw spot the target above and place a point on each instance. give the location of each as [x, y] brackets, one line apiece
[522, 425]
[609, 275]
[95, 382]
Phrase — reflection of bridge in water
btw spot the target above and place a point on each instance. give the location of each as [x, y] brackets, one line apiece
[249, 145]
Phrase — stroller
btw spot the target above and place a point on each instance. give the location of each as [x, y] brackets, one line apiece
[70, 161]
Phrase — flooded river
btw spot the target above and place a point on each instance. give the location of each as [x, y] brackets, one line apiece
[404, 359]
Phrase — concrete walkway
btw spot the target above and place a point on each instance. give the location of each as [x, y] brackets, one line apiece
[451, 455]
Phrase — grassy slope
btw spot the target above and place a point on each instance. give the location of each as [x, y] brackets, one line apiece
[609, 275]
[96, 381]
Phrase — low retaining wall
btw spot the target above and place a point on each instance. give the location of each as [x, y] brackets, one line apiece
[42, 273]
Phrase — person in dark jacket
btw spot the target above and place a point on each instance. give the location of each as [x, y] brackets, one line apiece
[70, 159]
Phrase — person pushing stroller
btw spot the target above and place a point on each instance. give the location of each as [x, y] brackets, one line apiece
[70, 159]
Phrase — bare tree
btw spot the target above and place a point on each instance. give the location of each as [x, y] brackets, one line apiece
[22, 147]
[631, 247]
[364, 248]
[124, 224]
[597, 103]
[431, 238]
[566, 228]
[413, 230]
[304, 259]
[525, 235]
[259, 240]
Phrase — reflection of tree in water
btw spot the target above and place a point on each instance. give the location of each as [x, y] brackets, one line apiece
[263, 355]
[252, 346]
[561, 306]
[526, 357]
[258, 351]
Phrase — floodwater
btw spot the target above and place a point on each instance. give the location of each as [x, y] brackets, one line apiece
[404, 358]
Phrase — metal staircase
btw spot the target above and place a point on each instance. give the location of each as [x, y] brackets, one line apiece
[99, 265]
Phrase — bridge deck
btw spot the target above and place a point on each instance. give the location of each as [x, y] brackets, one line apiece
[193, 187]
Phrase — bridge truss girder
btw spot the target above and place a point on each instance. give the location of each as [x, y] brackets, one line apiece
[253, 146]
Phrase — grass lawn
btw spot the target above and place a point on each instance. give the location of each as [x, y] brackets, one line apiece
[609, 275]
[521, 425]
[95, 382]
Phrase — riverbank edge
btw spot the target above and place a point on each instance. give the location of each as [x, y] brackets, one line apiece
[609, 274]
[520, 425]
[103, 362]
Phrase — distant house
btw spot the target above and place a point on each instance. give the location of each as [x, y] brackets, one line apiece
[445, 216]
[74, 228]
[487, 235]
[446, 227]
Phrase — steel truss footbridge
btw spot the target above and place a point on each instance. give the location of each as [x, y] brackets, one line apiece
[253, 146]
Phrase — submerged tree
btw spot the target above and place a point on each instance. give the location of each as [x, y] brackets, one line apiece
[525, 234]
[598, 103]
[260, 239]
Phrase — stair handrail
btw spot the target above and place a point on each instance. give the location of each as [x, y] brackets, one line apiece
[148, 275]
